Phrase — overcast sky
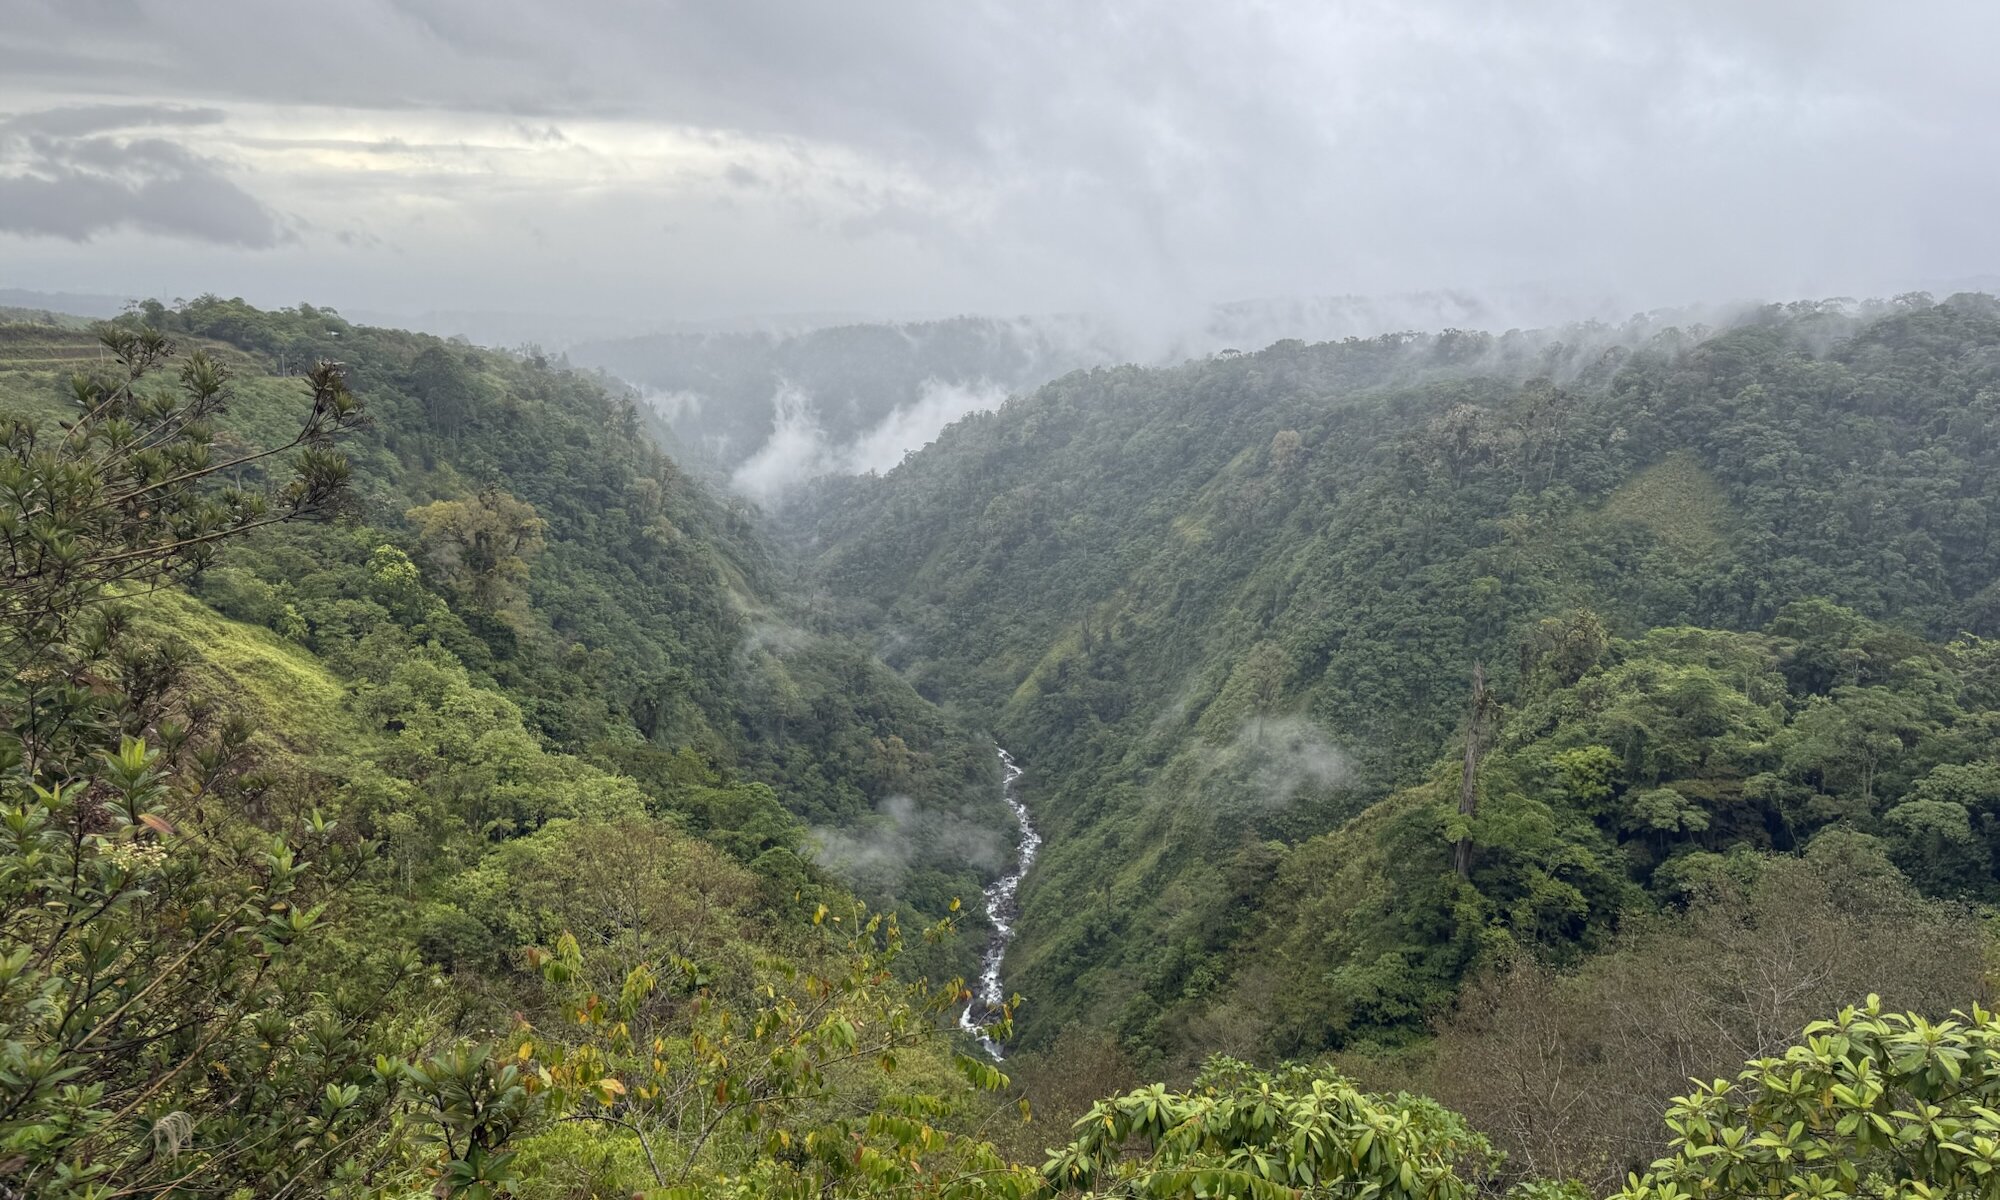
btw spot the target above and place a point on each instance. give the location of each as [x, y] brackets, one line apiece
[688, 160]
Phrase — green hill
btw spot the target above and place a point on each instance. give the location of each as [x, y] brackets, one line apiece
[1131, 573]
[458, 798]
[651, 620]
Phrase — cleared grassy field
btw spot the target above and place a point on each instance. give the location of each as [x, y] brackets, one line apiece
[37, 359]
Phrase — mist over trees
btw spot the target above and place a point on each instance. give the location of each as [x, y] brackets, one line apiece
[1447, 747]
[1101, 566]
[420, 782]
[1028, 601]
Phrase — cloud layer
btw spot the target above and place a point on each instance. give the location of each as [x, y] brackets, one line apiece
[80, 171]
[901, 157]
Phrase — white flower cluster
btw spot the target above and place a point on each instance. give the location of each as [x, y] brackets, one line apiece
[134, 858]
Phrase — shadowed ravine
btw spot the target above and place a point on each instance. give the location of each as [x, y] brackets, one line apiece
[1002, 908]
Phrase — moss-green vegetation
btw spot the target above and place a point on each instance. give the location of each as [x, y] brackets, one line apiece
[647, 613]
[1678, 503]
[285, 854]
[274, 681]
[453, 831]
[1130, 572]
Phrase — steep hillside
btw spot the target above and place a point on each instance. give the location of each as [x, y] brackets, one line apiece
[632, 616]
[461, 841]
[339, 920]
[1219, 609]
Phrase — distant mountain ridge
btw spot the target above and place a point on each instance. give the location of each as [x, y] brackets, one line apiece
[774, 407]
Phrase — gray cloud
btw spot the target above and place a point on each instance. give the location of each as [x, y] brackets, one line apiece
[905, 156]
[80, 119]
[75, 172]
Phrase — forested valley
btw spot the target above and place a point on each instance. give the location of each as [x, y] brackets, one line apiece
[1553, 764]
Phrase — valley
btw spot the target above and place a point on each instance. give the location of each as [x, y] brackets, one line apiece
[576, 712]
[989, 993]
[1237, 603]
[1008, 601]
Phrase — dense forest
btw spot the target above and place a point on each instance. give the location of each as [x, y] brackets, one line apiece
[504, 678]
[514, 519]
[1553, 764]
[1726, 588]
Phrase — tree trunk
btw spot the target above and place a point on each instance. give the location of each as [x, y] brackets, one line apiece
[1468, 780]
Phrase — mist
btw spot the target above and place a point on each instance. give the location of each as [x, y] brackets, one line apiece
[799, 450]
[899, 838]
[1281, 756]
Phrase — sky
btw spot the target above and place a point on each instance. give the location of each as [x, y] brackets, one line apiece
[686, 161]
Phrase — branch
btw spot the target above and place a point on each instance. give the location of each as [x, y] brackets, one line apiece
[652, 1163]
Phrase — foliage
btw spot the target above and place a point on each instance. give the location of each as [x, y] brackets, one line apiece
[1568, 1070]
[1263, 1135]
[1114, 569]
[747, 1090]
[1652, 776]
[513, 513]
[481, 546]
[162, 1027]
[125, 492]
[238, 951]
[1870, 1103]
[464, 843]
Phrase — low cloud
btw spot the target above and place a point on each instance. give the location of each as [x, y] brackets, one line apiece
[1271, 764]
[674, 405]
[876, 855]
[799, 450]
[1283, 756]
[796, 452]
[915, 426]
[765, 636]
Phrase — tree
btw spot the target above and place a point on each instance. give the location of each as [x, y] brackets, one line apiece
[481, 546]
[161, 1028]
[1476, 720]
[128, 491]
[798, 1071]
[1870, 1103]
[1242, 1132]
[1842, 741]
[1563, 649]
[1568, 1070]
[1943, 833]
[1287, 448]
[448, 393]
[1266, 669]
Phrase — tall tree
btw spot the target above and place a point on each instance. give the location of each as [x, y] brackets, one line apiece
[1468, 778]
[483, 545]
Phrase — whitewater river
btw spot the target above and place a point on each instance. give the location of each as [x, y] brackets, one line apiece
[1003, 909]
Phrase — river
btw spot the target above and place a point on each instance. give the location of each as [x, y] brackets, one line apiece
[1003, 908]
